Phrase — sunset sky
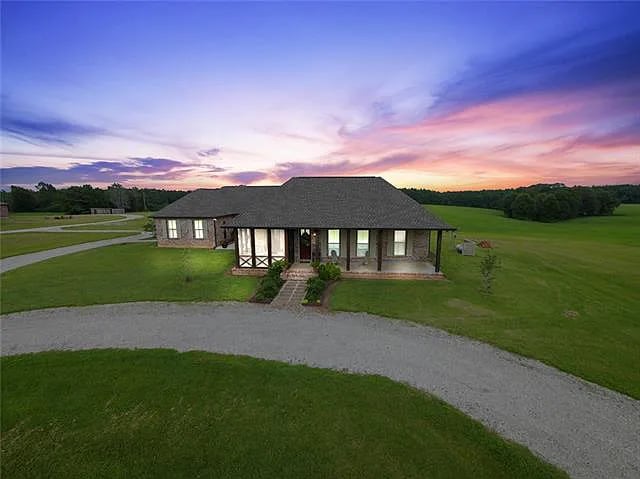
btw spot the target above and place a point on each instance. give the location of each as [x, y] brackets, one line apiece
[443, 96]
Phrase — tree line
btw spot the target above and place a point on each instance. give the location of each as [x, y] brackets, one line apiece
[80, 199]
[543, 202]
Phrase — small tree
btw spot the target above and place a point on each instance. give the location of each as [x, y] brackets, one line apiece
[488, 267]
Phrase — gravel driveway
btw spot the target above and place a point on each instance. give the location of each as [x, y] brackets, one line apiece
[585, 429]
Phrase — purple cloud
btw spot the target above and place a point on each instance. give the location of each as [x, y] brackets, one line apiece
[36, 129]
[587, 59]
[247, 177]
[209, 152]
[284, 171]
[98, 172]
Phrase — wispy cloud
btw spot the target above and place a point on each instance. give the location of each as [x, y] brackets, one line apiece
[582, 60]
[36, 129]
[210, 152]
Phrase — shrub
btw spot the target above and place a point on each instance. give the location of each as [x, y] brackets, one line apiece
[268, 288]
[315, 264]
[150, 226]
[270, 284]
[329, 271]
[315, 288]
[276, 268]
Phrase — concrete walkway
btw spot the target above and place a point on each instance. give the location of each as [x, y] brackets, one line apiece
[587, 430]
[63, 228]
[13, 262]
[290, 295]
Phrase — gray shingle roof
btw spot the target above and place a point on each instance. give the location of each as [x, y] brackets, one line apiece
[310, 202]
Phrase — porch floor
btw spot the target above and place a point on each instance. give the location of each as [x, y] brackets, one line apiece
[391, 269]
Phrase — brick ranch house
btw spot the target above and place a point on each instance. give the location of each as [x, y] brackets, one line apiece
[365, 224]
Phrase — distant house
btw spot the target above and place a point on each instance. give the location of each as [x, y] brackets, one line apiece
[365, 224]
[4, 210]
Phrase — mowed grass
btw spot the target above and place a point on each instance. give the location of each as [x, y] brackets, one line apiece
[159, 413]
[122, 273]
[18, 221]
[13, 244]
[567, 293]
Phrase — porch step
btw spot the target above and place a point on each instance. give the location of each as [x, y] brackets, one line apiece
[291, 294]
[298, 275]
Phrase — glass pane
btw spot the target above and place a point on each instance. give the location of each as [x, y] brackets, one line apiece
[244, 242]
[172, 228]
[333, 247]
[363, 236]
[398, 249]
[261, 242]
[198, 229]
[361, 250]
[399, 236]
[334, 236]
[277, 242]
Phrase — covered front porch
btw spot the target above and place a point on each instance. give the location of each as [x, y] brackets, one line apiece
[361, 253]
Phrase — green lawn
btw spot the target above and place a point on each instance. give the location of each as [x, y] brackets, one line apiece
[159, 413]
[129, 272]
[590, 266]
[22, 243]
[18, 221]
[120, 225]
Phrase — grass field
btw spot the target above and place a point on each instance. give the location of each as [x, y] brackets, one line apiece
[131, 272]
[159, 413]
[18, 221]
[22, 243]
[567, 293]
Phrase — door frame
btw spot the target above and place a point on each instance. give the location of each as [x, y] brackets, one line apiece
[300, 233]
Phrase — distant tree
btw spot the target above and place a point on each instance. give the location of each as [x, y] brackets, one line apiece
[608, 202]
[589, 203]
[523, 207]
[547, 207]
[22, 199]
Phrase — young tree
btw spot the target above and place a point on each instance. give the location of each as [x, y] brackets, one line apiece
[488, 267]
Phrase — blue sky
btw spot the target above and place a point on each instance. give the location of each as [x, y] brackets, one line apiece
[445, 96]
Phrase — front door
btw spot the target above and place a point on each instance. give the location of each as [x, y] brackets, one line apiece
[305, 245]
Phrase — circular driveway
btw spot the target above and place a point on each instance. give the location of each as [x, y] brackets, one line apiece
[587, 430]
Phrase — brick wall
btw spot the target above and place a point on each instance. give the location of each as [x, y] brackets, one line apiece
[185, 234]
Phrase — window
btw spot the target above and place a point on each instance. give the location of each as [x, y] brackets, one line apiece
[262, 248]
[244, 247]
[198, 229]
[333, 243]
[172, 229]
[399, 243]
[277, 244]
[261, 242]
[362, 243]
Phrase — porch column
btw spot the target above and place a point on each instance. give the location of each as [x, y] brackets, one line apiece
[253, 248]
[237, 248]
[348, 249]
[269, 245]
[438, 250]
[379, 250]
